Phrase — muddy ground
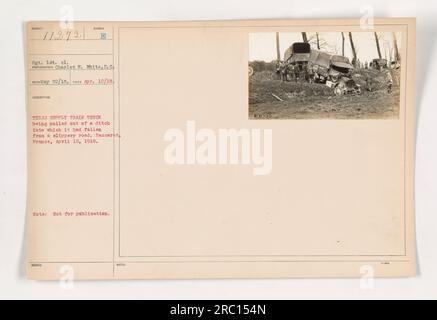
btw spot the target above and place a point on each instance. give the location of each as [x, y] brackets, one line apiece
[303, 100]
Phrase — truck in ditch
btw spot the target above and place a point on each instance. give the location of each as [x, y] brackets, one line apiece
[333, 70]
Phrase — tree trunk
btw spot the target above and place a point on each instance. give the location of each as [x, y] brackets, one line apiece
[395, 45]
[278, 50]
[304, 37]
[318, 41]
[354, 52]
[377, 45]
[342, 44]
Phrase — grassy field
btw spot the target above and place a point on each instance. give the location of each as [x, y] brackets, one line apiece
[317, 101]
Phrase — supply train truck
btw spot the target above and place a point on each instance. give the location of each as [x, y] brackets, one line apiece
[333, 70]
[294, 65]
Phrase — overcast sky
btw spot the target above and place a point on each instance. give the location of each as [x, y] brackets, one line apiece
[262, 46]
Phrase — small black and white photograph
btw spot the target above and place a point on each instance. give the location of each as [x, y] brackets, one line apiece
[324, 75]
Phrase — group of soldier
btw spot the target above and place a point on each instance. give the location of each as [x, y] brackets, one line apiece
[388, 81]
[296, 71]
[301, 72]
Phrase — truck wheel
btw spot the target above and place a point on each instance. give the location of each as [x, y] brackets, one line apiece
[338, 91]
[250, 71]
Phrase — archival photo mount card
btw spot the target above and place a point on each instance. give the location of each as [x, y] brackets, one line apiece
[221, 149]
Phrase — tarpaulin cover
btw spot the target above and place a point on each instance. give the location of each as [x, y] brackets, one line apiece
[288, 53]
[326, 59]
[296, 49]
[341, 61]
[300, 57]
[301, 47]
[320, 58]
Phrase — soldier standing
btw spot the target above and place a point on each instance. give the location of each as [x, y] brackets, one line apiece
[296, 72]
[369, 83]
[310, 74]
[389, 81]
[284, 71]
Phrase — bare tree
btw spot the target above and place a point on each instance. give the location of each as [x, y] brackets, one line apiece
[391, 53]
[395, 45]
[318, 42]
[335, 49]
[378, 48]
[342, 43]
[354, 52]
[278, 50]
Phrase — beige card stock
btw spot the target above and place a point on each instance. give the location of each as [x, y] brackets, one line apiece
[218, 149]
